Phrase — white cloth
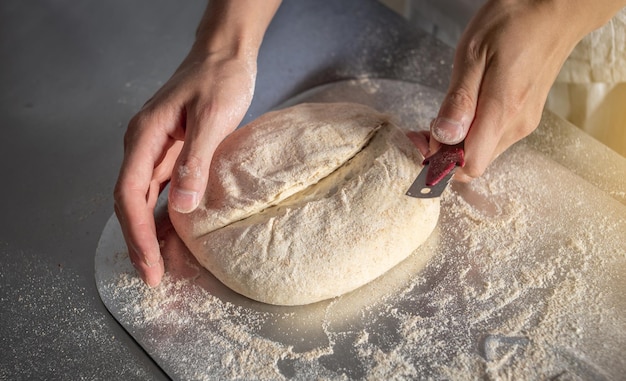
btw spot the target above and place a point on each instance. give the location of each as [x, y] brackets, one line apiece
[600, 56]
[590, 90]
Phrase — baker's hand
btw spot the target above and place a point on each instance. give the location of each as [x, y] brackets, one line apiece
[173, 137]
[175, 134]
[504, 66]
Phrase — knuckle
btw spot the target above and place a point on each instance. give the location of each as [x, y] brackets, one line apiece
[474, 49]
[117, 193]
[535, 117]
[191, 160]
[471, 49]
[514, 104]
[460, 98]
[204, 108]
[190, 170]
[201, 106]
[473, 171]
[119, 197]
[135, 125]
[129, 137]
[526, 128]
[524, 121]
[118, 212]
[119, 209]
[511, 104]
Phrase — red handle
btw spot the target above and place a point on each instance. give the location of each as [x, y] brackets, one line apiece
[443, 161]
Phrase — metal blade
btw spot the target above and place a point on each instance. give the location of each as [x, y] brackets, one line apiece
[419, 189]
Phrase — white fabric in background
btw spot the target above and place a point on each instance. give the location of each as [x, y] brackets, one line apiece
[590, 90]
[600, 56]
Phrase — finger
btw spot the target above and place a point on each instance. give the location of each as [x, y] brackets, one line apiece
[487, 129]
[135, 214]
[459, 105]
[191, 170]
[151, 275]
[133, 192]
[163, 173]
[140, 237]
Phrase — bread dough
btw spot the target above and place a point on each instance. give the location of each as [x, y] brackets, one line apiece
[308, 203]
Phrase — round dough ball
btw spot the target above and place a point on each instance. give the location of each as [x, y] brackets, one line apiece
[308, 203]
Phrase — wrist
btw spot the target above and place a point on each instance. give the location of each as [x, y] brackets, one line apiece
[234, 28]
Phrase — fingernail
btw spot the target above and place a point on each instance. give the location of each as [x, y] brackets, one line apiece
[183, 201]
[447, 131]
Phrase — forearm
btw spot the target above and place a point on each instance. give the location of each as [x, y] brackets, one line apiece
[234, 27]
[599, 12]
[583, 16]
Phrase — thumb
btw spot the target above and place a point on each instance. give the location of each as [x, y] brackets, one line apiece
[459, 105]
[188, 181]
[190, 174]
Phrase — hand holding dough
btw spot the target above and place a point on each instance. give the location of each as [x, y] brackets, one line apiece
[308, 203]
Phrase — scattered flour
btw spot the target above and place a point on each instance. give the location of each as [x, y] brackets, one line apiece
[525, 283]
[53, 326]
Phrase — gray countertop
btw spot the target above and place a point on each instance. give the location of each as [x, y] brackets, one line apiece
[73, 74]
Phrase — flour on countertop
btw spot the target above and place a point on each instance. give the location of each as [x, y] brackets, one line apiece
[54, 327]
[526, 282]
